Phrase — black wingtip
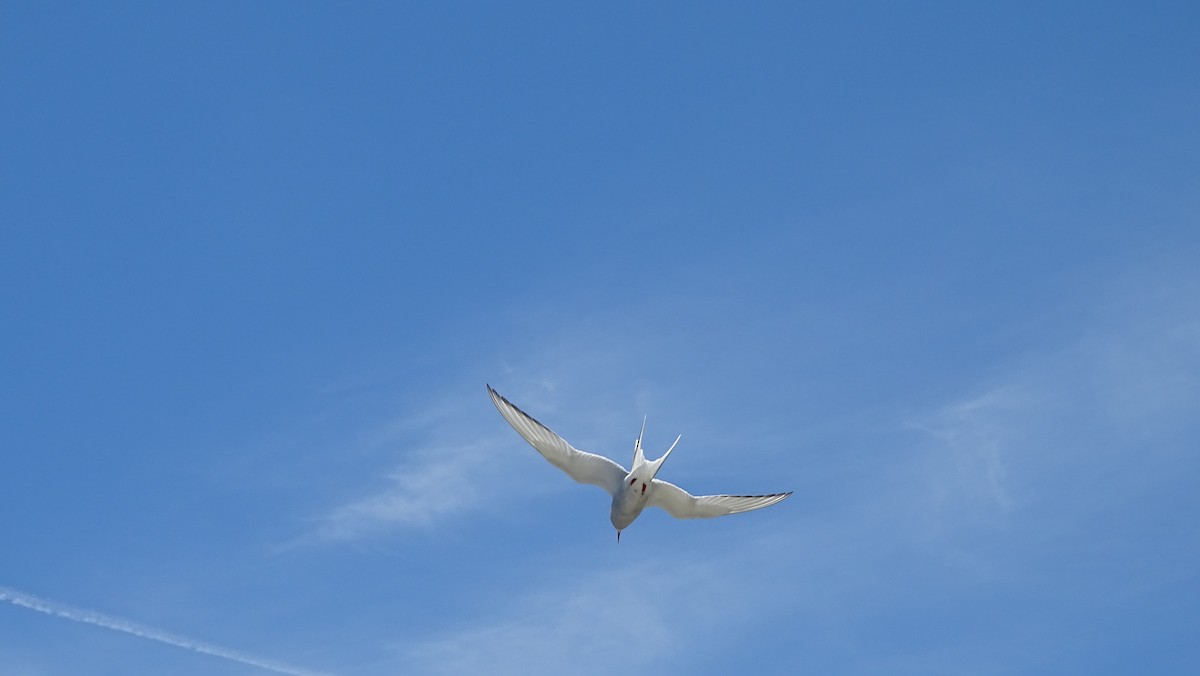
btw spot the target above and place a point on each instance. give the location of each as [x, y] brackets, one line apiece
[761, 495]
[516, 408]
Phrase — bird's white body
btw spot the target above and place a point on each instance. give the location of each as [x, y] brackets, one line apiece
[633, 490]
[627, 505]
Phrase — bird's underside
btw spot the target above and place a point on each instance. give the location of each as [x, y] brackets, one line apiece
[632, 490]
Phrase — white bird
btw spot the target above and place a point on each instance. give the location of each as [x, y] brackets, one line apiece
[631, 490]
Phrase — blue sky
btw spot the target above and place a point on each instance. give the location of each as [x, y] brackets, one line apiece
[932, 266]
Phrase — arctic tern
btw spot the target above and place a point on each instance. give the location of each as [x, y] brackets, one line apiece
[631, 490]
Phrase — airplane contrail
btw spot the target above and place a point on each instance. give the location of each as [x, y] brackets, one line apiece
[19, 598]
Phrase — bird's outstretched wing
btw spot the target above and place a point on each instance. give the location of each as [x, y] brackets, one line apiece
[683, 505]
[584, 467]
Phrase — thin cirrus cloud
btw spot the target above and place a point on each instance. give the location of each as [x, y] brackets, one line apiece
[1067, 469]
[1119, 398]
[448, 463]
[578, 623]
[430, 485]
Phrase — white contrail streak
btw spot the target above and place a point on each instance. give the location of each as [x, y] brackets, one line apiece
[19, 598]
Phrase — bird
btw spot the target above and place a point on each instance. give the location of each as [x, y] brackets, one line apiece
[632, 490]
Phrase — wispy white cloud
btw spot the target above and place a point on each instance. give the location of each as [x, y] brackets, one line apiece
[1118, 396]
[973, 436]
[430, 485]
[75, 614]
[645, 611]
[1065, 467]
[579, 629]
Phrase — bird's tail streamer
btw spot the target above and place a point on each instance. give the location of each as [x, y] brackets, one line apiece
[55, 609]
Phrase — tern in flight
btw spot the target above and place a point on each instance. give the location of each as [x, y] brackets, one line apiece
[631, 490]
